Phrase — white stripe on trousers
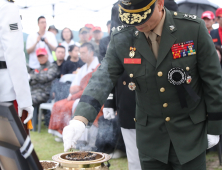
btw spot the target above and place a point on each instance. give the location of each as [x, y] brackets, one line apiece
[129, 137]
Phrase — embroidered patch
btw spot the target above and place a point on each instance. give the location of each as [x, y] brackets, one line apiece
[13, 27]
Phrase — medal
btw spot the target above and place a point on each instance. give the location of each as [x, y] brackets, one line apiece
[132, 52]
[132, 86]
[189, 79]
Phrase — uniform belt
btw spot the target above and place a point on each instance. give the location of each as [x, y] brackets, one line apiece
[3, 65]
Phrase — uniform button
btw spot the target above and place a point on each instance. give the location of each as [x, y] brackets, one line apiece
[135, 120]
[162, 90]
[160, 73]
[188, 68]
[168, 119]
[131, 75]
[165, 105]
[124, 83]
[175, 13]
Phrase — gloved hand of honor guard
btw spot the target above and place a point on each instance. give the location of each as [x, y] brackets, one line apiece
[212, 140]
[29, 109]
[108, 113]
[72, 133]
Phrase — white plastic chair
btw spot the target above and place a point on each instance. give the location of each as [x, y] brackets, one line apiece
[67, 77]
[48, 106]
[45, 106]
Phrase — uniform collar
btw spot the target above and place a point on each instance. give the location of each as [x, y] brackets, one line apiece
[159, 28]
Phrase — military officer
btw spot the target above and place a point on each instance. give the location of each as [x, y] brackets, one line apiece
[175, 71]
[14, 84]
[122, 100]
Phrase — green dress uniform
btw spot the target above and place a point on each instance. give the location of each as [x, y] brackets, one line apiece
[178, 95]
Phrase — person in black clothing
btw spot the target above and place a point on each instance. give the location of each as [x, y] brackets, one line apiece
[60, 53]
[73, 62]
[104, 42]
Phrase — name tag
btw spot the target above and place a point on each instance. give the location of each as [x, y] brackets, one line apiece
[132, 60]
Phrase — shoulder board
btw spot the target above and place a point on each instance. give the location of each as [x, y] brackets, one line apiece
[190, 17]
[120, 29]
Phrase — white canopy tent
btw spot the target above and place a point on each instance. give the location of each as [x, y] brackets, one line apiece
[66, 13]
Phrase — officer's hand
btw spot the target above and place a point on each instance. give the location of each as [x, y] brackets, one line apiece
[29, 109]
[212, 140]
[108, 113]
[72, 133]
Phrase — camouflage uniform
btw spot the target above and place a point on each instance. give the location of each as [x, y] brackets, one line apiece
[40, 81]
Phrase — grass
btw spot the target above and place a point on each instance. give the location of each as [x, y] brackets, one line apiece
[45, 147]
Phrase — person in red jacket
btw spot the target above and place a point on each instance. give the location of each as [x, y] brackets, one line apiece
[217, 33]
[209, 19]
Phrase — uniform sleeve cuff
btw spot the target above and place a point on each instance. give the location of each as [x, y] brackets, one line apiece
[215, 116]
[82, 119]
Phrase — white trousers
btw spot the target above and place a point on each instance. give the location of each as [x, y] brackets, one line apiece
[129, 137]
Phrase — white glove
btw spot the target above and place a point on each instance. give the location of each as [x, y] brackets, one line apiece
[72, 133]
[29, 109]
[212, 140]
[108, 113]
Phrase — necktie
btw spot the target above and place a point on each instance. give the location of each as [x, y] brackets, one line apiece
[155, 45]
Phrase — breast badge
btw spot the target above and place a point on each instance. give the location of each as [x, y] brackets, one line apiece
[132, 86]
[132, 60]
[181, 80]
[182, 50]
[132, 52]
[177, 76]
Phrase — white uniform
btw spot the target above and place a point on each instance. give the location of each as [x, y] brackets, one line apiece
[14, 84]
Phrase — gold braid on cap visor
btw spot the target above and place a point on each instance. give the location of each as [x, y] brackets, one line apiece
[134, 17]
[138, 10]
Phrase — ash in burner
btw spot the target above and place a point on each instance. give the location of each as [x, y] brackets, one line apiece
[81, 156]
[47, 165]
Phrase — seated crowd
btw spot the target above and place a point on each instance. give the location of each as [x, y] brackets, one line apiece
[61, 75]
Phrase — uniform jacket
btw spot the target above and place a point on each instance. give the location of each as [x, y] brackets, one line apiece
[13, 80]
[160, 119]
[216, 37]
[122, 99]
[42, 78]
[103, 44]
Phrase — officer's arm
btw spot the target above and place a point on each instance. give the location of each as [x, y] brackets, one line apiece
[102, 50]
[111, 102]
[100, 85]
[11, 38]
[46, 76]
[211, 75]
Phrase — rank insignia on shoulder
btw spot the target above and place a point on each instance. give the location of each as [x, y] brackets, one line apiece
[13, 27]
[182, 50]
[190, 16]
